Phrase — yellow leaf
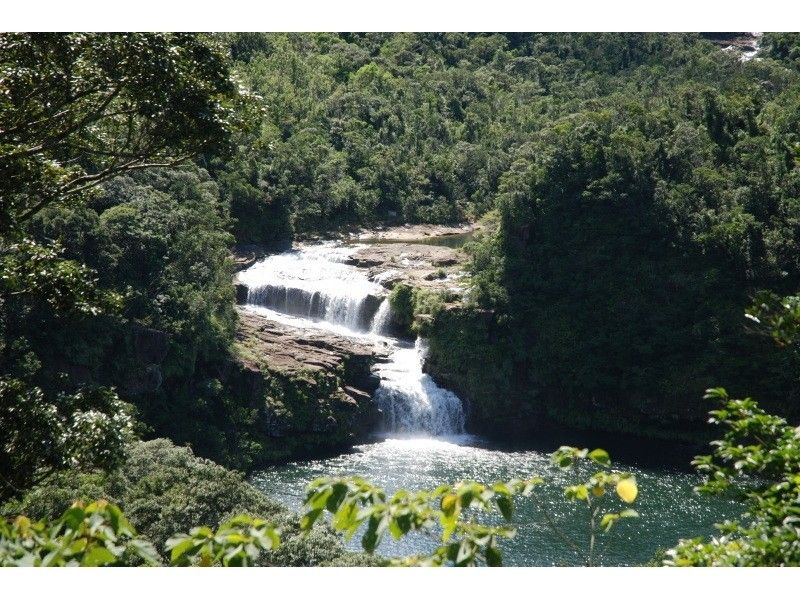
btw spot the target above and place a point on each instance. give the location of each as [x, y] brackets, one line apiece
[627, 490]
[598, 491]
[449, 504]
[23, 523]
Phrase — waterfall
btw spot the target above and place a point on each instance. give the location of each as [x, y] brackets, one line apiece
[354, 311]
[318, 288]
[410, 399]
[314, 283]
[381, 318]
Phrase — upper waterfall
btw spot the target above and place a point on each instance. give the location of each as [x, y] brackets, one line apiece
[315, 283]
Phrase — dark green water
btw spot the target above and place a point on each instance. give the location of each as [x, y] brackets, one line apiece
[668, 508]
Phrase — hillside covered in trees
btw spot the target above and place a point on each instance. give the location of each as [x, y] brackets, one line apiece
[634, 195]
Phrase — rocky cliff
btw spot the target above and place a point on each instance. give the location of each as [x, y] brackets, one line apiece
[308, 392]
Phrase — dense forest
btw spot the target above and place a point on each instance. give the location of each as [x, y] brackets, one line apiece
[635, 196]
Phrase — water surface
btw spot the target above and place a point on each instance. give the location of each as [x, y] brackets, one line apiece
[668, 507]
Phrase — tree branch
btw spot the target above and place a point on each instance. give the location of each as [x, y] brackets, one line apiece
[89, 181]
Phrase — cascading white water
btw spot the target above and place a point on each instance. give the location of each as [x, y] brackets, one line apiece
[411, 401]
[315, 287]
[381, 319]
[314, 283]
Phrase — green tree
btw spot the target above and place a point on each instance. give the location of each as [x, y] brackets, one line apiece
[78, 109]
[75, 111]
[757, 460]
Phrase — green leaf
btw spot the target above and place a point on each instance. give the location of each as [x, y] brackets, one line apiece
[97, 557]
[600, 456]
[180, 548]
[146, 551]
[608, 520]
[345, 518]
[320, 500]
[78, 545]
[73, 517]
[338, 493]
[501, 488]
[493, 556]
[464, 553]
[448, 525]
[370, 538]
[578, 492]
[506, 506]
[273, 535]
[394, 529]
[309, 518]
[404, 523]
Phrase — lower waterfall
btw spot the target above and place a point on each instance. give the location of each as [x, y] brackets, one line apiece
[411, 401]
[318, 287]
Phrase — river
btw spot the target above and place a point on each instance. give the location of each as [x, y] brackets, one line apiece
[423, 442]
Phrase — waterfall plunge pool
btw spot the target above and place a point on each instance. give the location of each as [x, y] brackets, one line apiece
[668, 508]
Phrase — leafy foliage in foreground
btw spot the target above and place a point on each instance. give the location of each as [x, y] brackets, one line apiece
[593, 493]
[90, 536]
[166, 491]
[757, 459]
[354, 503]
[98, 535]
[467, 520]
[237, 543]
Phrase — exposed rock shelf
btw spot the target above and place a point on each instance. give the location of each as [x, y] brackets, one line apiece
[417, 233]
[415, 264]
[309, 391]
[293, 351]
